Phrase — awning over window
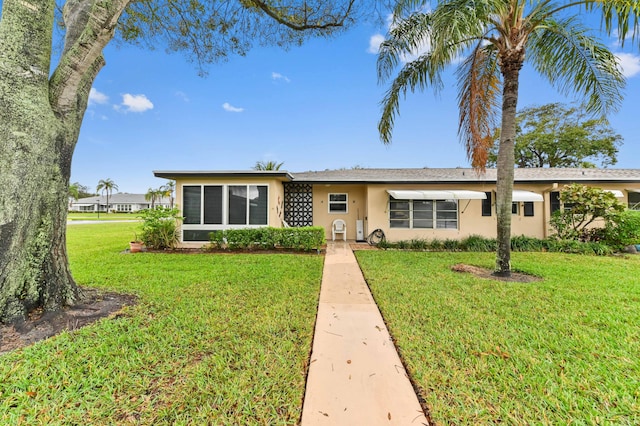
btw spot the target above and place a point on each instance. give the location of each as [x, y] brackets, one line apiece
[633, 190]
[615, 192]
[519, 196]
[457, 194]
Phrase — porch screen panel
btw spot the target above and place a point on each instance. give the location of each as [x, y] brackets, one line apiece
[258, 205]
[213, 205]
[191, 204]
[237, 205]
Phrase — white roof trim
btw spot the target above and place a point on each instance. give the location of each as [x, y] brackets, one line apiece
[519, 195]
[456, 194]
[633, 190]
[617, 193]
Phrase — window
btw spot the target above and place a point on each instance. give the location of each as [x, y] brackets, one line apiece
[423, 214]
[486, 204]
[515, 207]
[123, 207]
[528, 208]
[634, 200]
[338, 203]
[554, 198]
[221, 206]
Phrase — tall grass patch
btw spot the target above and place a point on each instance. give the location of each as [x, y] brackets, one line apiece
[561, 351]
[216, 339]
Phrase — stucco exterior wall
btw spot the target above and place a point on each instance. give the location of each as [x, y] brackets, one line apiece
[356, 207]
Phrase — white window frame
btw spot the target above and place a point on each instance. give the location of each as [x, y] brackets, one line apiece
[345, 202]
[434, 218]
[225, 209]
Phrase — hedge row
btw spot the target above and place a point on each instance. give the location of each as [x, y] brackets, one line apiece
[519, 243]
[304, 238]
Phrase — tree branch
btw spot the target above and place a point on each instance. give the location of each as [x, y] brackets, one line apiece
[90, 26]
[323, 23]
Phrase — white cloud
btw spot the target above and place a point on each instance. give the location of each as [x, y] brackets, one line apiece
[136, 103]
[374, 43]
[278, 76]
[96, 97]
[629, 63]
[228, 107]
[180, 94]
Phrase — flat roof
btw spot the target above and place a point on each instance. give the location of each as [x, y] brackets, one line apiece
[172, 174]
[422, 176]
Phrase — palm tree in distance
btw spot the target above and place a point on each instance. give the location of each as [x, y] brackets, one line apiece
[496, 37]
[152, 195]
[167, 191]
[268, 165]
[106, 186]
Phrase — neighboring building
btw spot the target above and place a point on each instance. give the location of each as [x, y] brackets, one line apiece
[121, 202]
[404, 203]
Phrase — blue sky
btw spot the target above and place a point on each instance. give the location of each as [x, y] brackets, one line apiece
[312, 107]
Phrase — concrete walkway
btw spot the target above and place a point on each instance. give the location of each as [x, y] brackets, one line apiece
[355, 375]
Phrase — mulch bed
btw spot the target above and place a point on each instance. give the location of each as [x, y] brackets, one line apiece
[93, 305]
[517, 277]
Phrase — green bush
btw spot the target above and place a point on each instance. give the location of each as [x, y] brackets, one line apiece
[478, 243]
[159, 230]
[623, 230]
[524, 243]
[304, 238]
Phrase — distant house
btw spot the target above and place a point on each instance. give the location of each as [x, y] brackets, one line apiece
[404, 203]
[121, 202]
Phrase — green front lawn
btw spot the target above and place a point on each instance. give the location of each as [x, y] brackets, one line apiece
[216, 339]
[562, 351]
[103, 216]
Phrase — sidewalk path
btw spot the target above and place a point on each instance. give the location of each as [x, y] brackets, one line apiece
[355, 374]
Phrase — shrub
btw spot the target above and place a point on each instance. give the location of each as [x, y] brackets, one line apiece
[478, 243]
[304, 238]
[159, 230]
[524, 243]
[623, 230]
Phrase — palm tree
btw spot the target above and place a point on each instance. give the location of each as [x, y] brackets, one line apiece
[152, 195]
[268, 165]
[167, 190]
[106, 186]
[496, 37]
[74, 192]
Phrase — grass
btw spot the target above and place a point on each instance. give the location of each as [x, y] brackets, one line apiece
[562, 351]
[103, 216]
[216, 339]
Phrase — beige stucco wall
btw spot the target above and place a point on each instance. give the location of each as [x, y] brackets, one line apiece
[356, 207]
[372, 203]
[276, 197]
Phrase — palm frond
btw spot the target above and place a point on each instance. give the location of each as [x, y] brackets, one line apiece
[405, 38]
[479, 91]
[411, 77]
[619, 16]
[575, 62]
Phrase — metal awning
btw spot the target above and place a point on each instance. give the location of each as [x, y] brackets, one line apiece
[615, 192]
[519, 196]
[633, 190]
[83, 204]
[454, 194]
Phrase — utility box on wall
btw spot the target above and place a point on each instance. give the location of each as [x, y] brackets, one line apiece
[359, 230]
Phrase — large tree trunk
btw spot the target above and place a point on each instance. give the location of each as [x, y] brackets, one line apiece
[506, 162]
[40, 122]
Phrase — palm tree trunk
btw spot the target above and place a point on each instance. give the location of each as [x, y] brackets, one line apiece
[505, 165]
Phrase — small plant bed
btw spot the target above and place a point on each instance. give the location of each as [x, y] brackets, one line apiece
[561, 351]
[487, 273]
